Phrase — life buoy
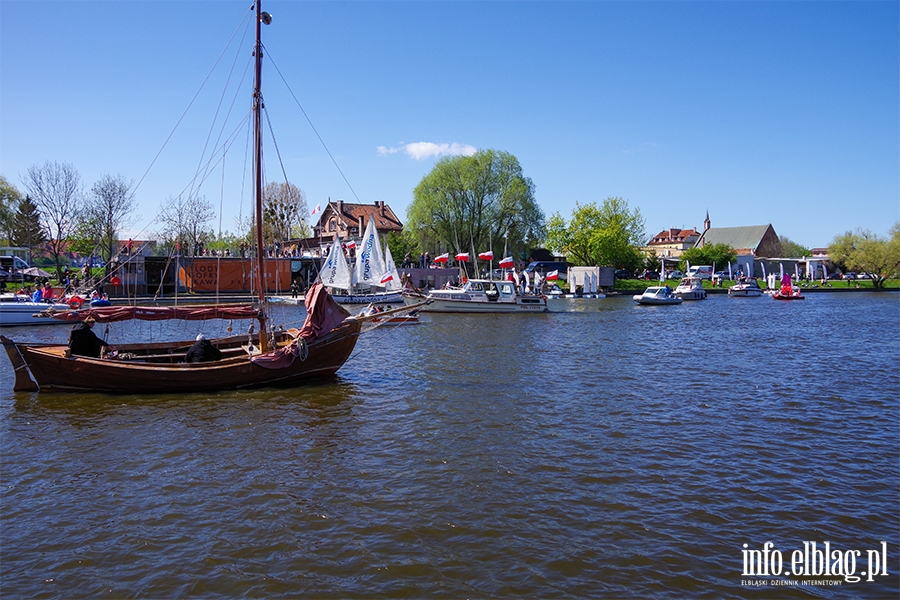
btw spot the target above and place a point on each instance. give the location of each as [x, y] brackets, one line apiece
[76, 302]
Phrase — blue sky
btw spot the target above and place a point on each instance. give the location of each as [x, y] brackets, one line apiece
[760, 112]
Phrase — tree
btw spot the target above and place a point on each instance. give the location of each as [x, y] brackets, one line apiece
[474, 203]
[284, 212]
[401, 244]
[27, 231]
[869, 253]
[718, 255]
[185, 222]
[107, 211]
[9, 205]
[605, 236]
[791, 249]
[55, 188]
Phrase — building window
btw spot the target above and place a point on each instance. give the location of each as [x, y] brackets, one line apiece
[332, 225]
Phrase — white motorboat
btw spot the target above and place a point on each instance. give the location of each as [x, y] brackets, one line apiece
[17, 310]
[690, 288]
[747, 288]
[479, 296]
[657, 295]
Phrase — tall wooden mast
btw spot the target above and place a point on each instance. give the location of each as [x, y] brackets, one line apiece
[257, 167]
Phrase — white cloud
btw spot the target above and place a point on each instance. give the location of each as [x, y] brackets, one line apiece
[423, 150]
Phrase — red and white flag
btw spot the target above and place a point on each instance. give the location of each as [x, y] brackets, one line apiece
[552, 276]
[442, 258]
[489, 255]
[316, 210]
[507, 263]
[351, 244]
[387, 277]
[463, 257]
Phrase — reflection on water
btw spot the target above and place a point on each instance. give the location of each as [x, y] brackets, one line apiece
[607, 449]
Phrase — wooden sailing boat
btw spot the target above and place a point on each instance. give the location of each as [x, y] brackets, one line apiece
[269, 358]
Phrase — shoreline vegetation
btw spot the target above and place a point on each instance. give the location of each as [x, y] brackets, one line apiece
[622, 287]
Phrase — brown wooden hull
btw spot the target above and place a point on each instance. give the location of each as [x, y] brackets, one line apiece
[155, 369]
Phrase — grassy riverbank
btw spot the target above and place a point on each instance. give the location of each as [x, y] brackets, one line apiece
[834, 285]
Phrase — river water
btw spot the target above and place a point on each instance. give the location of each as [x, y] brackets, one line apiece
[604, 450]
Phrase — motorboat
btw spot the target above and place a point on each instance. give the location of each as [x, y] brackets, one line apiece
[17, 310]
[479, 296]
[657, 295]
[690, 288]
[747, 288]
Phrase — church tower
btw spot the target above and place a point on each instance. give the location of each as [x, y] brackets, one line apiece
[706, 221]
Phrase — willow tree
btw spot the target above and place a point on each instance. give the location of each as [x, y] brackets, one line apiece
[605, 235]
[869, 253]
[473, 203]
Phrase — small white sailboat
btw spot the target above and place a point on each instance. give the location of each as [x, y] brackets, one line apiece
[369, 272]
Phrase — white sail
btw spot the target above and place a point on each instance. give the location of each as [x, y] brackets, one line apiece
[390, 268]
[369, 261]
[335, 272]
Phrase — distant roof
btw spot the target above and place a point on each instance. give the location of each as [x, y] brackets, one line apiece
[739, 238]
[673, 235]
[385, 219]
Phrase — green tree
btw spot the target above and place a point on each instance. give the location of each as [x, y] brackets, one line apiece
[718, 255]
[27, 231]
[608, 235]
[9, 206]
[473, 203]
[791, 249]
[868, 252]
[401, 244]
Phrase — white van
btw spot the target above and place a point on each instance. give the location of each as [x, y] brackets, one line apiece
[702, 271]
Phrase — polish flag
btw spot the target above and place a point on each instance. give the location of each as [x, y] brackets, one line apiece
[552, 276]
[351, 244]
[463, 257]
[387, 277]
[442, 258]
[489, 255]
[507, 263]
[316, 210]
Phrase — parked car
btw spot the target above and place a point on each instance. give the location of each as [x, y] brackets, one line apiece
[864, 276]
[850, 275]
[648, 275]
[623, 274]
[703, 272]
[834, 276]
[675, 274]
[721, 275]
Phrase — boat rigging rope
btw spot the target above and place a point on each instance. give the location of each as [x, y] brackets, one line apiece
[308, 120]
